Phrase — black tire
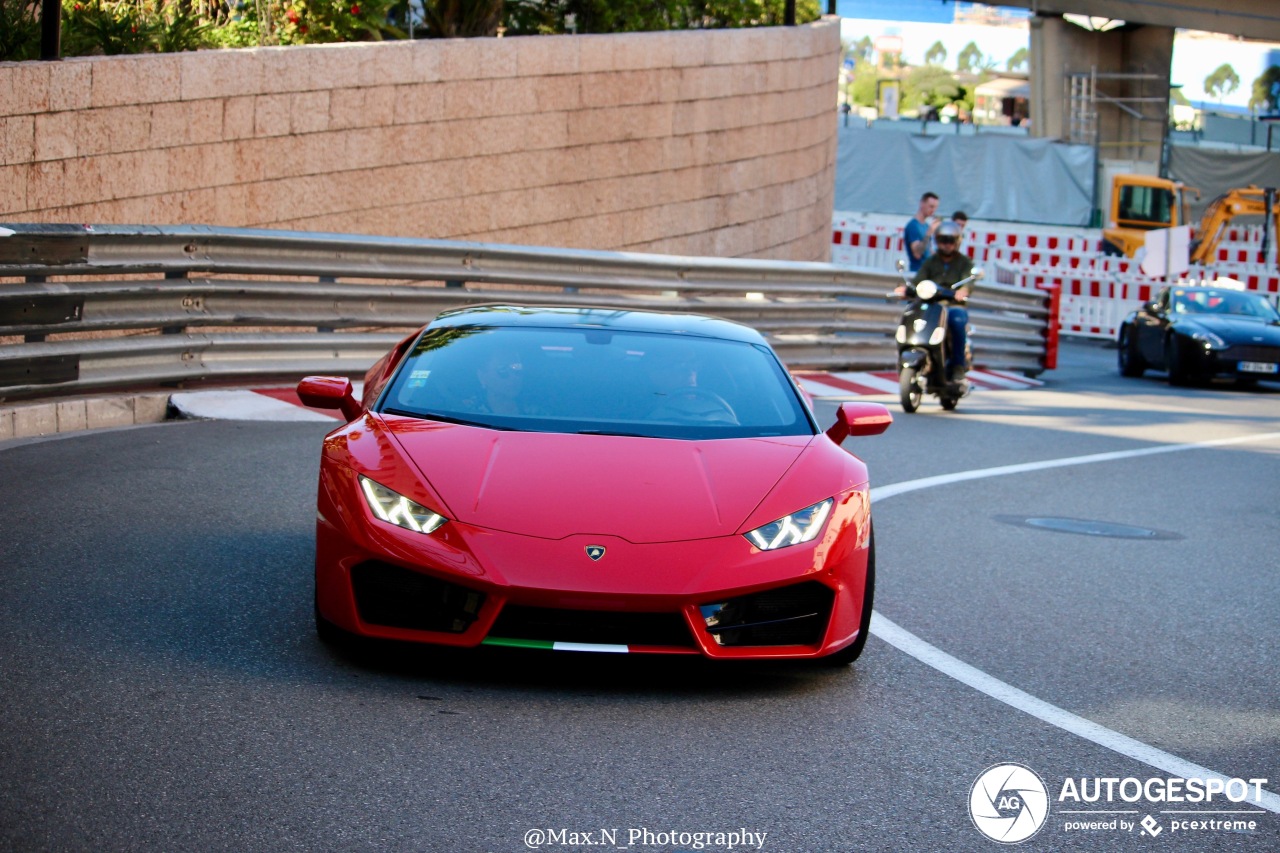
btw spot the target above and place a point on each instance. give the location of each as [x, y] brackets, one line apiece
[949, 403]
[1175, 361]
[909, 389]
[1130, 360]
[851, 652]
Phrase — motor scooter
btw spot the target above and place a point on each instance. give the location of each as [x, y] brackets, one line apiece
[923, 344]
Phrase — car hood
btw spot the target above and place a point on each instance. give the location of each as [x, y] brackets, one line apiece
[1235, 329]
[553, 485]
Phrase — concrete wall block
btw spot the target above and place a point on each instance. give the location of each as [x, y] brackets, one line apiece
[150, 408]
[286, 70]
[419, 103]
[24, 88]
[555, 94]
[220, 73]
[6, 424]
[35, 419]
[706, 82]
[623, 88]
[113, 130]
[609, 125]
[13, 189]
[337, 65]
[475, 59]
[237, 117]
[109, 412]
[144, 79]
[389, 63]
[71, 415]
[194, 167]
[271, 115]
[18, 142]
[309, 112]
[70, 83]
[541, 56]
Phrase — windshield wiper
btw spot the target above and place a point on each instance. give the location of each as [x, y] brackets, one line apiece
[433, 416]
[612, 432]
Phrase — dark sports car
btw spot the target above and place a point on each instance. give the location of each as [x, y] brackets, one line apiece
[592, 480]
[1197, 333]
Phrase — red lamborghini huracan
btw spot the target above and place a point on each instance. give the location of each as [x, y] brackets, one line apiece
[592, 480]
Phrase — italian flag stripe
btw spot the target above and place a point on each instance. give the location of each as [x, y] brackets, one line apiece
[557, 647]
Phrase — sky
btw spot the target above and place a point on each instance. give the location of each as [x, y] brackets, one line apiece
[920, 23]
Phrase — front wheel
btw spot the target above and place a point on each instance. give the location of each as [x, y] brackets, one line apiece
[909, 391]
[949, 403]
[1176, 363]
[1131, 362]
[851, 652]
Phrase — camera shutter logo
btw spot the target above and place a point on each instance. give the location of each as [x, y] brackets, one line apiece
[1009, 803]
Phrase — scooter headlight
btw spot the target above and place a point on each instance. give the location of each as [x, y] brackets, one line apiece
[926, 289]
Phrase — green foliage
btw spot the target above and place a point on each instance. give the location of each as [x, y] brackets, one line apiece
[970, 59]
[1018, 60]
[936, 54]
[1266, 91]
[463, 18]
[929, 86]
[19, 30]
[136, 26]
[1223, 81]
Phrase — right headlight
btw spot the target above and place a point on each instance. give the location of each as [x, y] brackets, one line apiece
[800, 526]
[395, 508]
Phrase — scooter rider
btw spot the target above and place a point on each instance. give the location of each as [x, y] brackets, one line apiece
[945, 267]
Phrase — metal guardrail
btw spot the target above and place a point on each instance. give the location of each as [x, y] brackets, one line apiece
[113, 307]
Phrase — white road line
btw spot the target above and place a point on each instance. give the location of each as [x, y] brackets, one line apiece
[922, 651]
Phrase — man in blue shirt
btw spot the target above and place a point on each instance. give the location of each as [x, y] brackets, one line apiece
[918, 232]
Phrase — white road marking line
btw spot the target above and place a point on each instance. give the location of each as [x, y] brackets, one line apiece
[930, 655]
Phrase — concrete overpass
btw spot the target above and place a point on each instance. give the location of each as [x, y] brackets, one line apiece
[1111, 89]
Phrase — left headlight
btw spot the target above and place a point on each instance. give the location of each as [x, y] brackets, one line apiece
[395, 508]
[1209, 339]
[800, 526]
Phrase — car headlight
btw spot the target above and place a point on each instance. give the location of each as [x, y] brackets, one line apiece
[800, 526]
[395, 508]
[1209, 339]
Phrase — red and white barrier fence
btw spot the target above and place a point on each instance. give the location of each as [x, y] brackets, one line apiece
[1096, 291]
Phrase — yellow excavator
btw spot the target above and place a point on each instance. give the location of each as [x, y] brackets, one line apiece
[1141, 203]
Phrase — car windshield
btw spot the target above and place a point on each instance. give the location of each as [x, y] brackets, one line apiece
[1214, 301]
[596, 381]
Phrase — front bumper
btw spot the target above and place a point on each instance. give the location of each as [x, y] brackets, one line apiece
[467, 586]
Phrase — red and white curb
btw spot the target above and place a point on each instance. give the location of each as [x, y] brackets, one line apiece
[282, 404]
[842, 386]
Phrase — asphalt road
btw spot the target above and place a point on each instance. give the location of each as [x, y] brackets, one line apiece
[162, 687]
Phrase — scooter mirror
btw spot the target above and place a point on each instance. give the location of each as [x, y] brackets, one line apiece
[901, 265]
[859, 419]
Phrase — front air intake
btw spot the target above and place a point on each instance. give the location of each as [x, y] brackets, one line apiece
[399, 598]
[789, 616]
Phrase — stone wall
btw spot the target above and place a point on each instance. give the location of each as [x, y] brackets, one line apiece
[701, 142]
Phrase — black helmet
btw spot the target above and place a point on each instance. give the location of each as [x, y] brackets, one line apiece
[948, 229]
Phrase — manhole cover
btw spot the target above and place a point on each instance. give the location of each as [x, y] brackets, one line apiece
[1087, 527]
